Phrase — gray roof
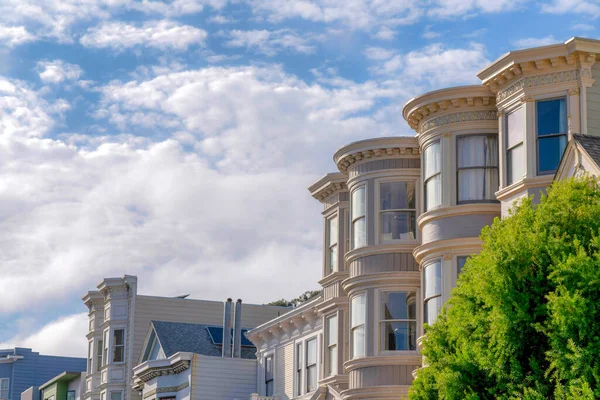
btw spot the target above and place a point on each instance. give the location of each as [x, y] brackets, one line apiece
[591, 145]
[177, 337]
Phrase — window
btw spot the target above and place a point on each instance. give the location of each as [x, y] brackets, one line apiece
[311, 365]
[515, 151]
[116, 395]
[70, 395]
[332, 240]
[118, 346]
[432, 287]
[332, 336]
[397, 210]
[477, 161]
[357, 326]
[90, 357]
[269, 376]
[298, 369]
[4, 388]
[347, 230]
[551, 134]
[152, 348]
[105, 344]
[99, 348]
[432, 173]
[359, 226]
[398, 321]
[460, 263]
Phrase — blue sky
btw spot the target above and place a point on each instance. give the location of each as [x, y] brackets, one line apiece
[175, 140]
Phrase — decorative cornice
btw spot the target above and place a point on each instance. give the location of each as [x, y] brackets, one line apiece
[524, 184]
[400, 278]
[537, 80]
[363, 150]
[464, 116]
[350, 159]
[168, 389]
[328, 185]
[155, 372]
[439, 248]
[405, 358]
[456, 210]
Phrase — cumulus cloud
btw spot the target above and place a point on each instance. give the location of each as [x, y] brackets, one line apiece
[162, 35]
[58, 71]
[14, 35]
[590, 8]
[63, 337]
[535, 42]
[269, 42]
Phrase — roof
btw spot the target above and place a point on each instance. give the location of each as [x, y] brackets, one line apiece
[591, 144]
[175, 337]
[66, 376]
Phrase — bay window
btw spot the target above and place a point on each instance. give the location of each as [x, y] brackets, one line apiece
[359, 225]
[432, 288]
[477, 161]
[398, 321]
[397, 211]
[551, 134]
[99, 347]
[332, 334]
[269, 386]
[298, 369]
[105, 345]
[332, 241]
[515, 150]
[90, 357]
[118, 345]
[432, 175]
[357, 326]
[311, 365]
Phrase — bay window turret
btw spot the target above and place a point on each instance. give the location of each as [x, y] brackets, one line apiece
[432, 175]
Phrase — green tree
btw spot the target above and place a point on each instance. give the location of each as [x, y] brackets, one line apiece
[309, 294]
[524, 319]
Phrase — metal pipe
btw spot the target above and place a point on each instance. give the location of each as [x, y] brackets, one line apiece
[237, 330]
[227, 329]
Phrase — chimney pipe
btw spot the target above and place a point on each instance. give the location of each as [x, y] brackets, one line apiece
[227, 329]
[237, 330]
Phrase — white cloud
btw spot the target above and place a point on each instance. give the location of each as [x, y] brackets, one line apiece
[176, 7]
[584, 27]
[162, 35]
[63, 337]
[589, 8]
[58, 71]
[429, 34]
[14, 35]
[535, 42]
[458, 8]
[385, 33]
[269, 42]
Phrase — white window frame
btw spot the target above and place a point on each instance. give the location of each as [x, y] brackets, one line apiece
[106, 357]
[440, 295]
[347, 230]
[379, 212]
[90, 357]
[331, 370]
[99, 355]
[329, 267]
[112, 346]
[521, 143]
[6, 383]
[539, 99]
[353, 327]
[303, 383]
[485, 168]
[270, 355]
[379, 322]
[426, 179]
[362, 186]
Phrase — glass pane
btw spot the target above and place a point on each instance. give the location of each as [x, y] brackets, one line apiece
[333, 231]
[477, 184]
[433, 193]
[477, 151]
[432, 309]
[155, 350]
[358, 342]
[460, 263]
[332, 360]
[399, 336]
[115, 395]
[397, 195]
[268, 367]
[397, 305]
[311, 378]
[516, 164]
[118, 355]
[432, 160]
[398, 225]
[432, 279]
[71, 395]
[359, 233]
[358, 203]
[551, 117]
[515, 127]
[358, 311]
[332, 258]
[269, 388]
[332, 331]
[311, 352]
[119, 336]
[550, 150]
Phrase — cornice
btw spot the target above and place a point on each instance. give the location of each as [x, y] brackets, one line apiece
[537, 80]
[401, 278]
[375, 148]
[524, 184]
[458, 117]
[380, 249]
[328, 185]
[443, 247]
[333, 304]
[333, 277]
[456, 210]
[407, 358]
[377, 392]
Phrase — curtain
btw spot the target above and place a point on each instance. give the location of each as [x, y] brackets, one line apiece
[477, 183]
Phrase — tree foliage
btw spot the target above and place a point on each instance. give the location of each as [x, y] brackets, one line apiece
[524, 319]
[309, 294]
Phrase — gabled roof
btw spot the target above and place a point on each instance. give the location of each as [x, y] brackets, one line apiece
[66, 376]
[591, 145]
[175, 337]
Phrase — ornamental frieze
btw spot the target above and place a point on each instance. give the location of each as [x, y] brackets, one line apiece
[465, 116]
[537, 80]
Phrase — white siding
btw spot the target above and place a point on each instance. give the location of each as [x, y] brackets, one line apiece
[284, 371]
[215, 378]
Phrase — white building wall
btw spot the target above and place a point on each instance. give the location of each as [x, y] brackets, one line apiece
[215, 378]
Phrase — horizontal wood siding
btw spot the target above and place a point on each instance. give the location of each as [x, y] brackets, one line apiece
[391, 262]
[381, 375]
[593, 103]
[216, 378]
[377, 165]
[149, 308]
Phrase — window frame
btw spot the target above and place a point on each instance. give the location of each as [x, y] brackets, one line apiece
[314, 365]
[298, 368]
[90, 357]
[537, 137]
[354, 327]
[380, 321]
[74, 394]
[113, 346]
[484, 168]
[330, 368]
[363, 216]
[267, 380]
[458, 258]
[439, 261]
[379, 211]
[300, 363]
[329, 266]
[7, 384]
[426, 179]
[99, 354]
[110, 393]
[513, 147]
